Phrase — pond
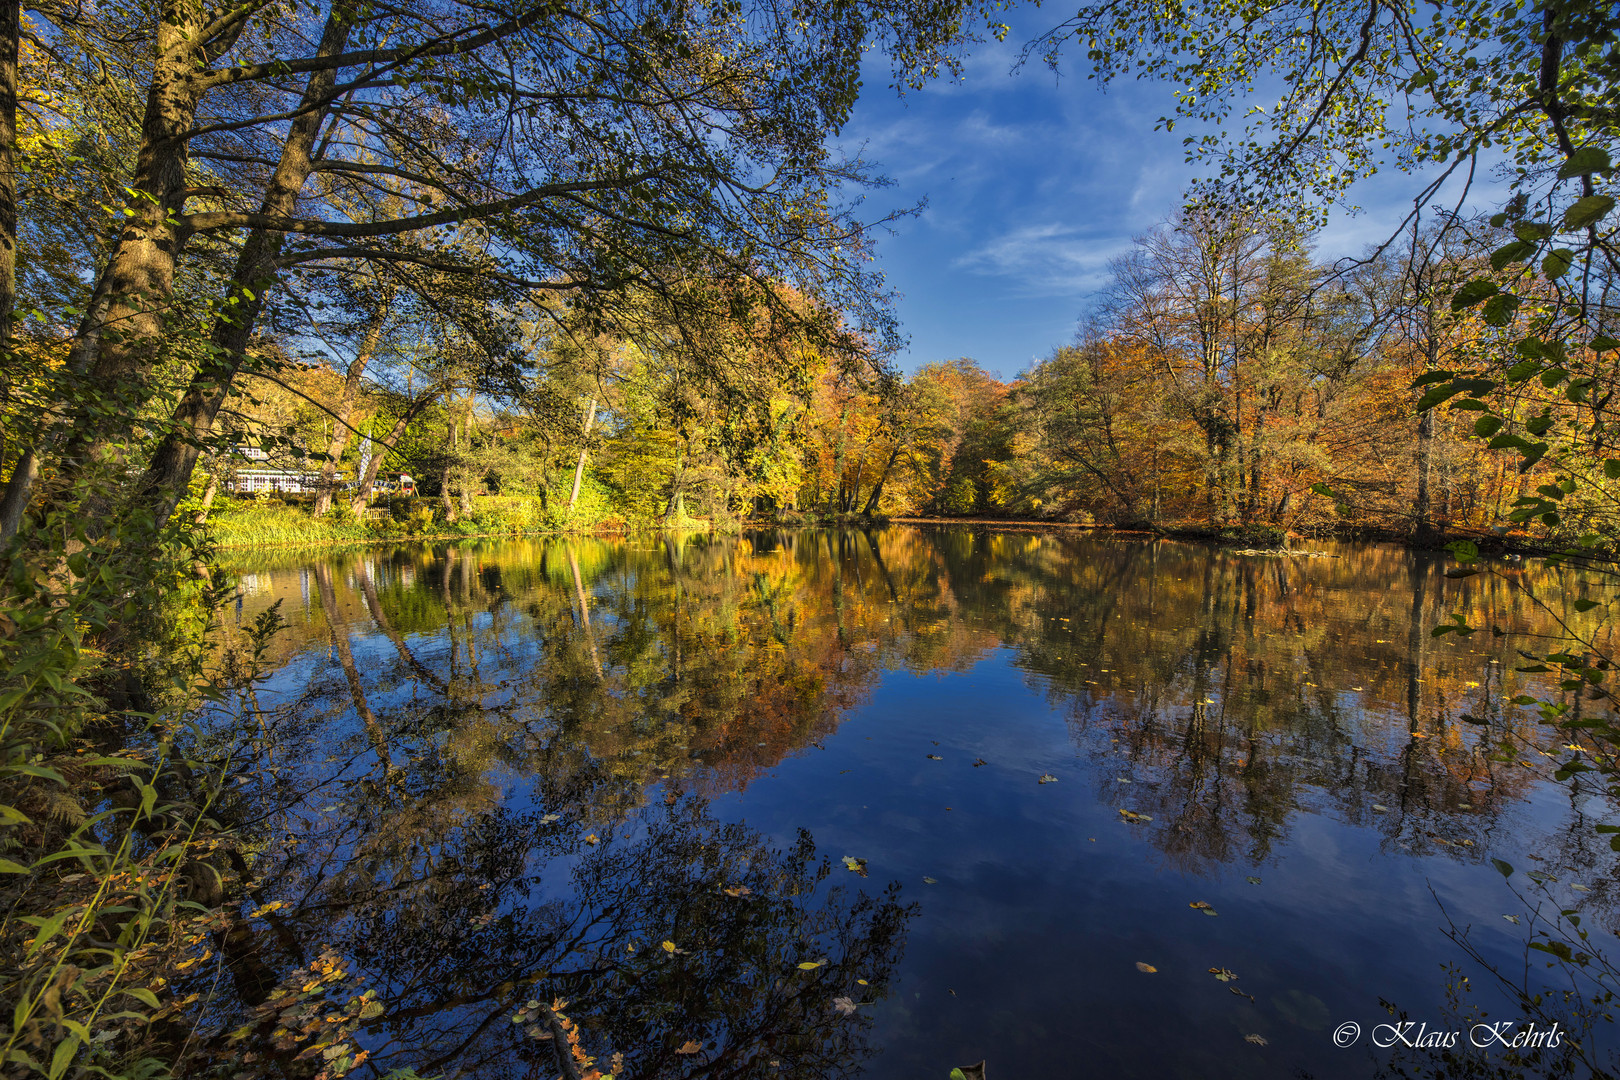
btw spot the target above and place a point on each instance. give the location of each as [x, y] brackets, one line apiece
[828, 803]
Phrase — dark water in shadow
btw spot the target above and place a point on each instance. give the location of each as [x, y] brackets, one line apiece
[515, 771]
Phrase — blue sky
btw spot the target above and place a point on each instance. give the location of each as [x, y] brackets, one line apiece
[1033, 184]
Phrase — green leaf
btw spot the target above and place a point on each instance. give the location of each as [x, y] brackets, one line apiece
[9, 867]
[1523, 370]
[48, 929]
[144, 996]
[1588, 211]
[1486, 426]
[1464, 551]
[1603, 343]
[1585, 605]
[1557, 262]
[1505, 869]
[1499, 309]
[1611, 469]
[1538, 425]
[1584, 162]
[1472, 293]
[1532, 230]
[1429, 377]
[1517, 251]
[1436, 395]
[63, 1057]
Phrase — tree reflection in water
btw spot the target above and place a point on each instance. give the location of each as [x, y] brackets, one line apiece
[457, 724]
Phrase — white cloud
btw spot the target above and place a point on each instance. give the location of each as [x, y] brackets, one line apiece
[1049, 259]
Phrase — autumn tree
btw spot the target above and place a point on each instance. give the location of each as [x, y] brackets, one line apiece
[595, 148]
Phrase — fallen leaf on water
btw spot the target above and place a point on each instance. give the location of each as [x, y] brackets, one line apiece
[1380, 809]
[1258, 1040]
[690, 1047]
[1047, 778]
[863, 982]
[1133, 817]
[979, 762]
[737, 890]
[1240, 993]
[549, 818]
[1252, 880]
[1514, 919]
[857, 866]
[1203, 906]
[810, 965]
[591, 838]
[968, 1072]
[1223, 974]
[935, 757]
[1146, 969]
[669, 947]
[844, 1005]
[930, 881]
[1581, 888]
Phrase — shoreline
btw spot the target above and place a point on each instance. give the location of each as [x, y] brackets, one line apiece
[1205, 534]
[1436, 541]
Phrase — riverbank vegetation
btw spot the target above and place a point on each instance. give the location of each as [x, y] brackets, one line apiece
[598, 267]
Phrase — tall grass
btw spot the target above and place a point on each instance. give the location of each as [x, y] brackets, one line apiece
[255, 524]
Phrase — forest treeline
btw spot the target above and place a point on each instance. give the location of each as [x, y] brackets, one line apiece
[1227, 377]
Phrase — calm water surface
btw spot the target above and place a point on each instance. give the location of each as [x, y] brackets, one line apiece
[517, 770]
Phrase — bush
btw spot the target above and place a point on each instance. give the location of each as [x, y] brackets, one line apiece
[419, 519]
[594, 510]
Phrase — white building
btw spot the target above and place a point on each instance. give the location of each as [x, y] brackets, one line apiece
[286, 481]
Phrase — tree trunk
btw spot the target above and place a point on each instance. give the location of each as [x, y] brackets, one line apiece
[362, 494]
[345, 409]
[24, 475]
[140, 270]
[883, 477]
[1421, 508]
[170, 469]
[444, 496]
[584, 448]
[208, 497]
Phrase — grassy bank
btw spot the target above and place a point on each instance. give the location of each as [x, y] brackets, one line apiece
[255, 523]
